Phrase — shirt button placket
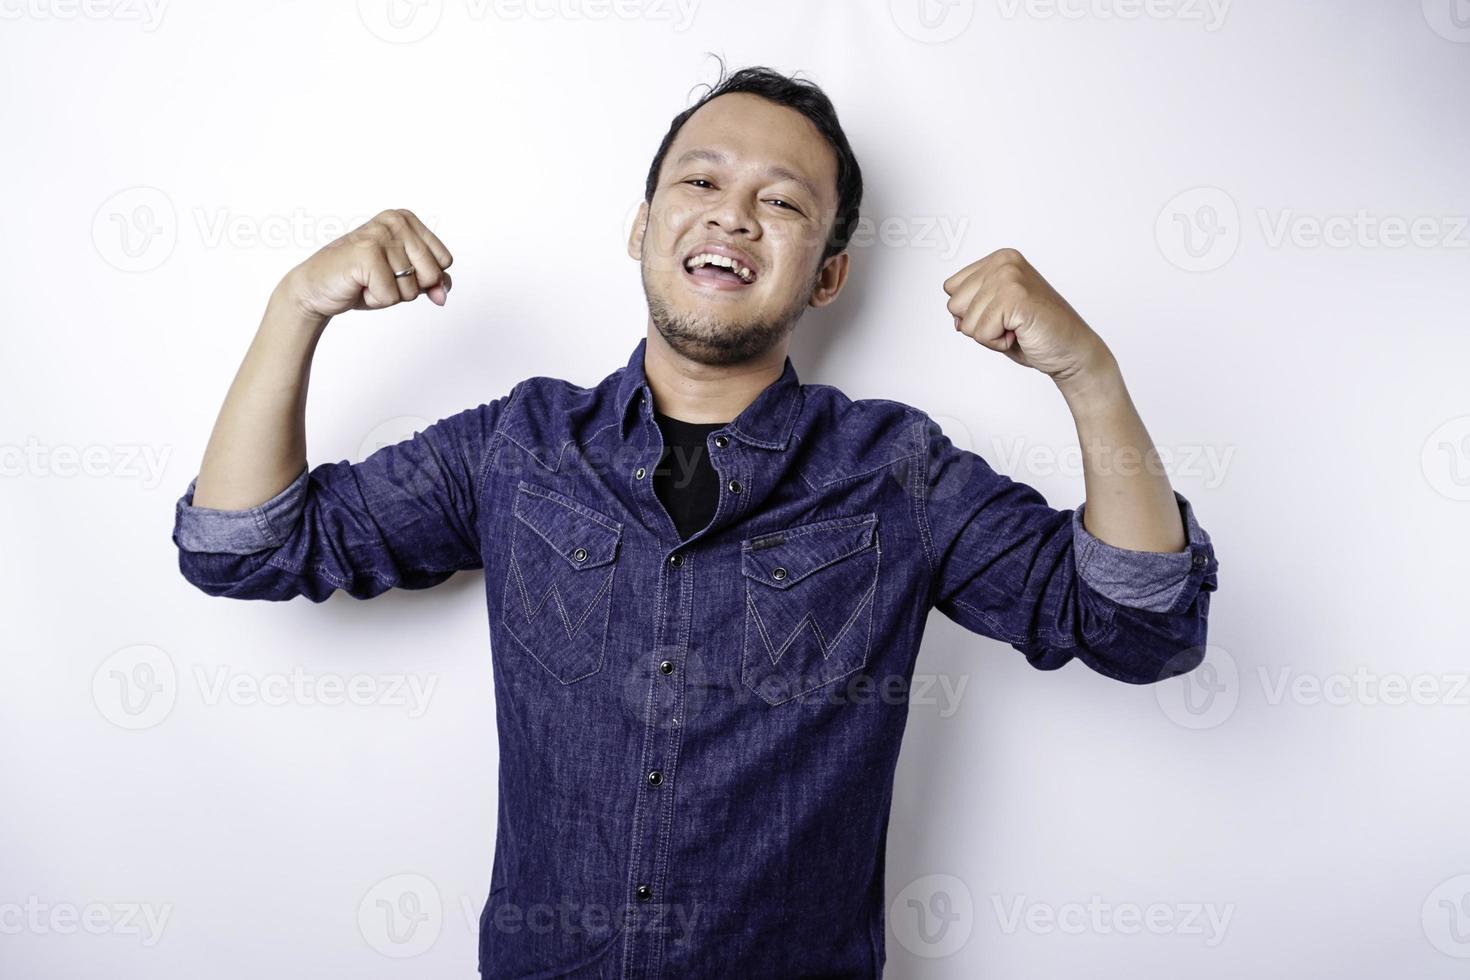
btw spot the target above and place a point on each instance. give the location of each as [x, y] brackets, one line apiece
[642, 947]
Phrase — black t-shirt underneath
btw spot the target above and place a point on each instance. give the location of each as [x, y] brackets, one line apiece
[684, 479]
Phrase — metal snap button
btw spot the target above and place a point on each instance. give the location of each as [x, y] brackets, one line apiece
[734, 486]
[676, 559]
[580, 554]
[638, 473]
[721, 442]
[644, 893]
[666, 666]
[655, 777]
[1200, 561]
[778, 573]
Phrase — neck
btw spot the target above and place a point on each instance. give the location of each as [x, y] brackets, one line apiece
[694, 392]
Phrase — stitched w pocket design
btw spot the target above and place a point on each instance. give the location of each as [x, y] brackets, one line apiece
[558, 589]
[809, 596]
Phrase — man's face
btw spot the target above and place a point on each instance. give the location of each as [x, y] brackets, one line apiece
[755, 181]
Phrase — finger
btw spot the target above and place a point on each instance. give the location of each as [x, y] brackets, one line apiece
[954, 281]
[441, 254]
[974, 316]
[993, 325]
[380, 290]
[397, 255]
[965, 295]
[425, 266]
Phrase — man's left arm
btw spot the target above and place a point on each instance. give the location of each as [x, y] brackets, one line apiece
[1135, 540]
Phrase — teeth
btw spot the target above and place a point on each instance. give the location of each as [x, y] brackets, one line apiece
[708, 258]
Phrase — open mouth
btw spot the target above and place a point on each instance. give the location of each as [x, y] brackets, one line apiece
[718, 271]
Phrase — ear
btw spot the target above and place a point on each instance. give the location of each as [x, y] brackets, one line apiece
[829, 282]
[635, 236]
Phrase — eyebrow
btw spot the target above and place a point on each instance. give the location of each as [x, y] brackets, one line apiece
[780, 173]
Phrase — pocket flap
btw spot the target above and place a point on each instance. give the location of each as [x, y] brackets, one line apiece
[583, 537]
[780, 559]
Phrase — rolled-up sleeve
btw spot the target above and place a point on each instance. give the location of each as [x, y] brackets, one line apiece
[1007, 565]
[407, 516]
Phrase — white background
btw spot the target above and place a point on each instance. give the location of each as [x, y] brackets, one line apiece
[1165, 166]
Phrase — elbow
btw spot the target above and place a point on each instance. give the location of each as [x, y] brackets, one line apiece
[237, 576]
[1146, 648]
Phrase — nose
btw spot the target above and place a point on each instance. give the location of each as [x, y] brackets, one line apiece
[732, 214]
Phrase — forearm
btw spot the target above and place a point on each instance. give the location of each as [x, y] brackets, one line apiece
[258, 445]
[1130, 503]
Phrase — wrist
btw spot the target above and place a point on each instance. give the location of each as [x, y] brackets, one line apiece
[286, 311]
[1097, 384]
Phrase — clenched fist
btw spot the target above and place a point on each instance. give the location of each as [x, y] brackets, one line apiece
[357, 271]
[1004, 304]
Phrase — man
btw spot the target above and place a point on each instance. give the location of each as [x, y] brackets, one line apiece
[707, 582]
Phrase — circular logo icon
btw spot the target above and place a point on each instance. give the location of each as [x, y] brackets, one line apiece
[400, 21]
[390, 433]
[945, 480]
[933, 916]
[135, 230]
[401, 916]
[1446, 917]
[649, 694]
[1450, 19]
[1445, 459]
[1199, 230]
[136, 687]
[405, 471]
[932, 21]
[1204, 697]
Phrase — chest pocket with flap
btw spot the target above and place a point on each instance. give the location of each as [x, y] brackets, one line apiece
[559, 583]
[809, 596]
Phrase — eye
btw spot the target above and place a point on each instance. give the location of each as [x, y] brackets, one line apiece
[698, 180]
[789, 207]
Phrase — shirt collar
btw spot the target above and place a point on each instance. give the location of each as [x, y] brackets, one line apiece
[766, 422]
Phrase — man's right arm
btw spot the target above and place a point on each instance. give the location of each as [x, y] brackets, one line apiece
[256, 523]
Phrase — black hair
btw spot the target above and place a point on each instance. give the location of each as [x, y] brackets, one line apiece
[809, 100]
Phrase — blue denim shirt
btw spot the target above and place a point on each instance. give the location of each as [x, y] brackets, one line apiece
[698, 735]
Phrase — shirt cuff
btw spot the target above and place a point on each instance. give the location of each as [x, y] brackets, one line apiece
[239, 532]
[1155, 581]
